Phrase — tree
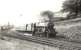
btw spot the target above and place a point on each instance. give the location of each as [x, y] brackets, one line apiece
[73, 7]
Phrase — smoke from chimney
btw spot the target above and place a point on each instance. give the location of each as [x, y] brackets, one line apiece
[49, 15]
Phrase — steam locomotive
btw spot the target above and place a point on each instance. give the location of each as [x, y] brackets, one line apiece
[46, 30]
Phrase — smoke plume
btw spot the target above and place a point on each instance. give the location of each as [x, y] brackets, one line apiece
[48, 14]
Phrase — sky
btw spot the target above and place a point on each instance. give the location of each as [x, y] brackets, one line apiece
[20, 12]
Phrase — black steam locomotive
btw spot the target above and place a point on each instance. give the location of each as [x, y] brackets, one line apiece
[44, 31]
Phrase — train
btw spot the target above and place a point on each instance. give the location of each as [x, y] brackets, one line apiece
[44, 30]
[41, 29]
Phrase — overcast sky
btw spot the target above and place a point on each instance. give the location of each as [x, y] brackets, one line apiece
[19, 12]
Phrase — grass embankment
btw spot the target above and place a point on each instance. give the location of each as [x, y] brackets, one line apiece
[70, 29]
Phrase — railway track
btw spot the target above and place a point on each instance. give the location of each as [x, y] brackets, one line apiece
[56, 42]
